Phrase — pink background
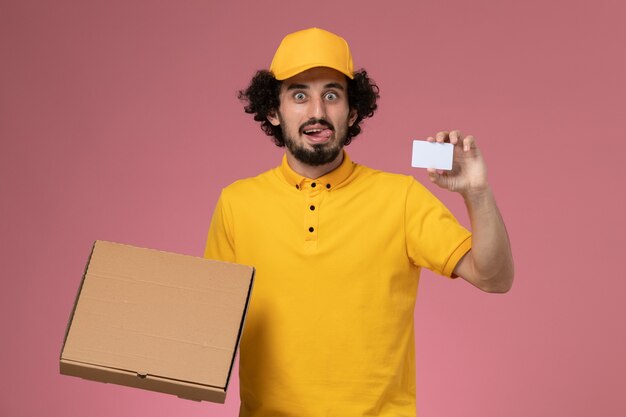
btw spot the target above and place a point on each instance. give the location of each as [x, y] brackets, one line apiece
[119, 121]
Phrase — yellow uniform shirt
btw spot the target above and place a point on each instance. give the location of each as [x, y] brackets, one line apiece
[329, 331]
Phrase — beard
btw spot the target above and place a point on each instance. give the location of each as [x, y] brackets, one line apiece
[322, 153]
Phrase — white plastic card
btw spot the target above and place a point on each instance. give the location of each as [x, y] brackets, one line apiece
[432, 155]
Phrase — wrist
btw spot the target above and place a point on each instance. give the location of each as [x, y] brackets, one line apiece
[477, 195]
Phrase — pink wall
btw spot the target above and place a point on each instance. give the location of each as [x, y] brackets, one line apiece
[119, 121]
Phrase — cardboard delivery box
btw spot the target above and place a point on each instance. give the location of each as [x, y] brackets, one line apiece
[158, 321]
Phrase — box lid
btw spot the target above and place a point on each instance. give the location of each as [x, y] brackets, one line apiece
[155, 313]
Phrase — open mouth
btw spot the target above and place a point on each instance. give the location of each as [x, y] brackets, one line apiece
[318, 133]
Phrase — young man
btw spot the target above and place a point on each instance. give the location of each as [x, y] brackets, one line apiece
[338, 247]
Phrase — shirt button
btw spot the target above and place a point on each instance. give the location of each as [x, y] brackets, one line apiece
[313, 185]
[312, 208]
[311, 229]
[328, 186]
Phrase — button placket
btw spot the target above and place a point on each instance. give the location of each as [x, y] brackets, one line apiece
[314, 193]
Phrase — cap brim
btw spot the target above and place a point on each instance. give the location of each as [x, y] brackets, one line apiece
[291, 72]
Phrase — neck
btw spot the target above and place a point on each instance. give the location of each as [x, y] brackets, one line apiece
[310, 171]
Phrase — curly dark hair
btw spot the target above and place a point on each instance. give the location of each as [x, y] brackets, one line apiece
[262, 98]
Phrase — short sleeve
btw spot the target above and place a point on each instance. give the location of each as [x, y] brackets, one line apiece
[220, 243]
[435, 239]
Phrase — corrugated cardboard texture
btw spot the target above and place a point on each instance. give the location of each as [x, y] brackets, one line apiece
[157, 320]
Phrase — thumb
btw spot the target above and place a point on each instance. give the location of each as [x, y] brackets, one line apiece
[437, 178]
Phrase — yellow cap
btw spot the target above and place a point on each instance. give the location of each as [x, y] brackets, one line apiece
[309, 48]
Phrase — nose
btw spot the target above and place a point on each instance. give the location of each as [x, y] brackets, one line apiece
[317, 108]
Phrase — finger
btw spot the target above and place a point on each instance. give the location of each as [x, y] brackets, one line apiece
[468, 143]
[436, 172]
[441, 136]
[430, 139]
[455, 136]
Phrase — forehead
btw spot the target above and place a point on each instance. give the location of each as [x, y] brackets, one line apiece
[316, 77]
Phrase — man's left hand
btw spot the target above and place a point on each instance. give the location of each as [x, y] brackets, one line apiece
[469, 171]
[489, 264]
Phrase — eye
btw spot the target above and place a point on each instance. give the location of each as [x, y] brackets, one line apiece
[331, 96]
[299, 96]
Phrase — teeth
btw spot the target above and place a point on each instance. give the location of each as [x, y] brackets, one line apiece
[312, 131]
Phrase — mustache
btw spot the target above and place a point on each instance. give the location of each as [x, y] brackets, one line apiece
[312, 122]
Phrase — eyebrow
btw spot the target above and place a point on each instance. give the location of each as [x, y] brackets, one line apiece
[306, 87]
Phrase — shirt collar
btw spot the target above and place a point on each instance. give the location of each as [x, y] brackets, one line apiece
[327, 181]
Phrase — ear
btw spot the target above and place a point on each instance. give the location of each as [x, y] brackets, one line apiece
[273, 118]
[352, 116]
